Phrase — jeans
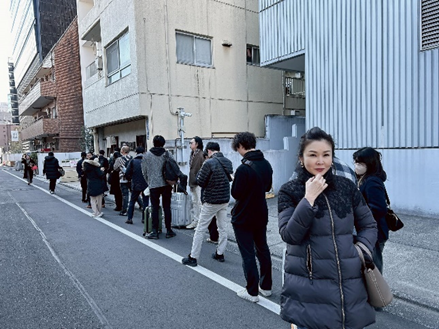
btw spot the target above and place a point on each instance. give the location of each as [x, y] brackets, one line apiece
[125, 188]
[378, 255]
[208, 210]
[154, 195]
[135, 197]
[253, 242]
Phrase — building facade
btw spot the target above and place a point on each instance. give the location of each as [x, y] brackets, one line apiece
[36, 26]
[372, 79]
[51, 108]
[139, 68]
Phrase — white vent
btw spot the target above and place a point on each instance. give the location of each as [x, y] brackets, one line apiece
[429, 24]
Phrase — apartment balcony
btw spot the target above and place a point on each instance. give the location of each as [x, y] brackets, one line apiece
[41, 128]
[41, 94]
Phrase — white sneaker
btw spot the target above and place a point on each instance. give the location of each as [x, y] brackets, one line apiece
[192, 225]
[245, 295]
[265, 293]
[100, 215]
[209, 240]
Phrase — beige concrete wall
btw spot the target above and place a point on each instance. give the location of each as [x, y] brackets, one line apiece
[226, 98]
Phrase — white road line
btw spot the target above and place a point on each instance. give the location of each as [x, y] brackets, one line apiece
[71, 276]
[264, 302]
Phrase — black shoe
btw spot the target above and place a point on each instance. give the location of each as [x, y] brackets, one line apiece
[219, 258]
[189, 261]
[85, 201]
[153, 236]
[123, 213]
[170, 234]
[129, 221]
[143, 221]
[117, 209]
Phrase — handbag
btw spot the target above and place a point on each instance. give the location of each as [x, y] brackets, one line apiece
[377, 288]
[34, 167]
[394, 223]
[61, 172]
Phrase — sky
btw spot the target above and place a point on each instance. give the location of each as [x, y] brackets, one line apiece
[4, 49]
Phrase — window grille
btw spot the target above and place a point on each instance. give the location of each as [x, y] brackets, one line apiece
[429, 24]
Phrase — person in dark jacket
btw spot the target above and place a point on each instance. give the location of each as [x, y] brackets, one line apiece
[152, 165]
[195, 162]
[214, 178]
[114, 182]
[103, 161]
[371, 178]
[253, 178]
[323, 283]
[138, 183]
[28, 164]
[94, 172]
[82, 178]
[51, 170]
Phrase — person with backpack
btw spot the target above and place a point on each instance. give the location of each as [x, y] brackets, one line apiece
[253, 178]
[214, 178]
[153, 164]
[120, 166]
[138, 183]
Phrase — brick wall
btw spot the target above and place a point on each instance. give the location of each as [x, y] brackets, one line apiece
[69, 90]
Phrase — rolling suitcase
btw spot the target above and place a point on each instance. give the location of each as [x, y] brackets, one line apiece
[148, 220]
[180, 209]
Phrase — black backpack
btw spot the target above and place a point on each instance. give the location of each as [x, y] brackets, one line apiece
[170, 170]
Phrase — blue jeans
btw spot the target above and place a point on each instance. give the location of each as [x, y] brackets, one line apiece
[135, 197]
[378, 255]
[125, 188]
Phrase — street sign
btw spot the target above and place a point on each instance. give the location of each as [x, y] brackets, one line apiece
[14, 136]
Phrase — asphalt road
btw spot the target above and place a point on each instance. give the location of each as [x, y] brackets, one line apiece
[61, 268]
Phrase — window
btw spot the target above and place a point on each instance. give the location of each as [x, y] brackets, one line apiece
[429, 24]
[118, 59]
[253, 55]
[193, 50]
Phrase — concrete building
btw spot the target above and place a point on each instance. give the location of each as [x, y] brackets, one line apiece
[140, 67]
[372, 79]
[47, 76]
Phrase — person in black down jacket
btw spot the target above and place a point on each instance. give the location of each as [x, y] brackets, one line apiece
[214, 179]
[250, 215]
[371, 178]
[95, 184]
[324, 285]
[138, 183]
[51, 170]
[28, 163]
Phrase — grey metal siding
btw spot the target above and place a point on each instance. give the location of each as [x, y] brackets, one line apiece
[282, 26]
[367, 81]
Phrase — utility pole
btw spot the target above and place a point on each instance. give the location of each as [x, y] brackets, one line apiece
[181, 130]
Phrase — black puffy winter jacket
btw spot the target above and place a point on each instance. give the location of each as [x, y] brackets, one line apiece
[324, 285]
[212, 177]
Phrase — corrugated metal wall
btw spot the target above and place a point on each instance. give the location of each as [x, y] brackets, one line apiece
[282, 25]
[368, 83]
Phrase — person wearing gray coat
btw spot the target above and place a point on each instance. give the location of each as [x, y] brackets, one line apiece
[324, 286]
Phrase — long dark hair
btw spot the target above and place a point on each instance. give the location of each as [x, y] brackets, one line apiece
[371, 158]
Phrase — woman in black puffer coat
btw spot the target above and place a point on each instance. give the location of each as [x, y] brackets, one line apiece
[51, 170]
[95, 184]
[371, 178]
[324, 286]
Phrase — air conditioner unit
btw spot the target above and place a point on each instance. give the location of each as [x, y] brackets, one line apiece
[98, 62]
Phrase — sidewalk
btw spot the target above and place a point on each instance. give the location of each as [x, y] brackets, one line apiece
[411, 257]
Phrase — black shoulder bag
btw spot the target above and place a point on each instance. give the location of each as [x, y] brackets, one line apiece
[393, 221]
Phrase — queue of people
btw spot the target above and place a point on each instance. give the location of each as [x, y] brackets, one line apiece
[323, 210]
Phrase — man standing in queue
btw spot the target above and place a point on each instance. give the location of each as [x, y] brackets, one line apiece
[250, 215]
